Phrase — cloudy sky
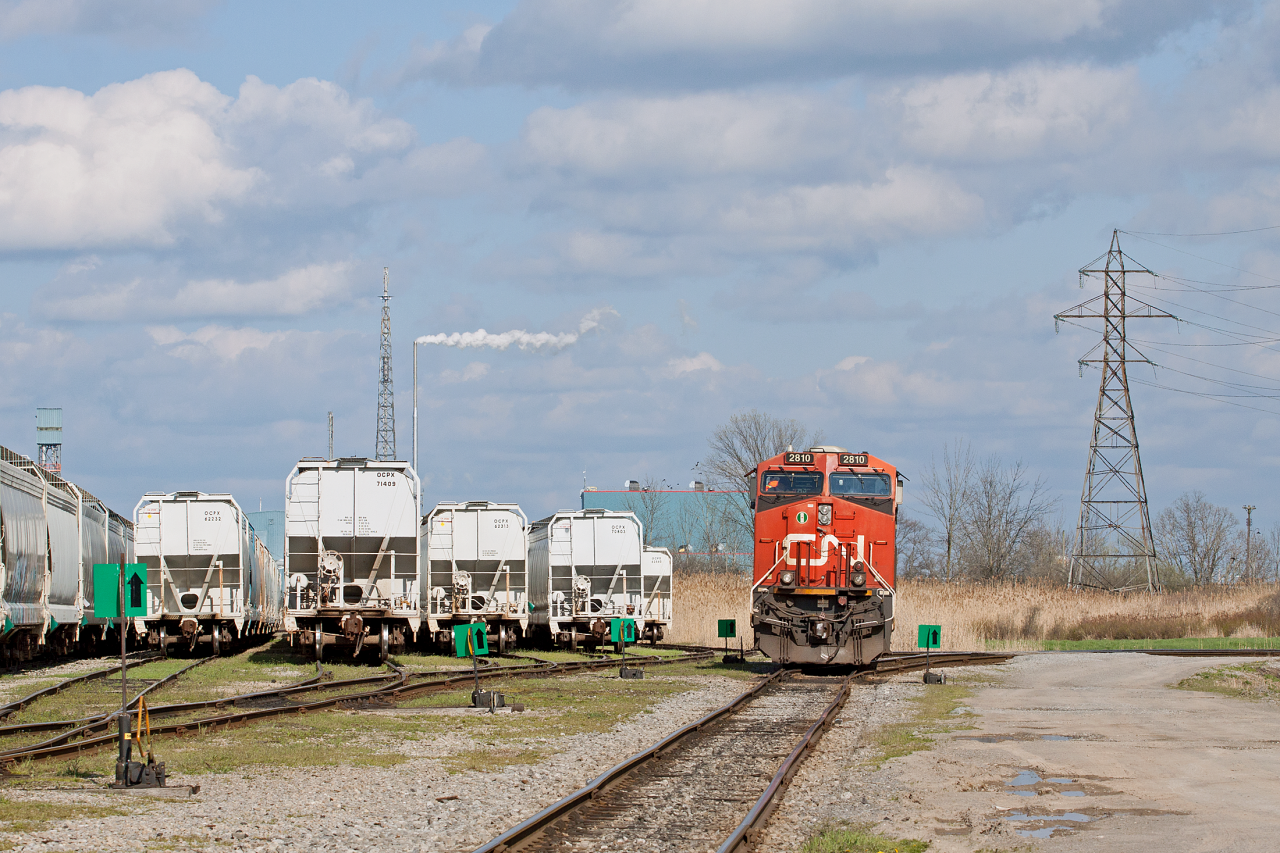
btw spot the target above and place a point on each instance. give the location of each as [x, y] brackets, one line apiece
[863, 216]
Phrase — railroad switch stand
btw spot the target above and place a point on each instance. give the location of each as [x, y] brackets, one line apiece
[138, 774]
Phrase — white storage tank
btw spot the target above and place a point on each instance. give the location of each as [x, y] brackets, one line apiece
[351, 554]
[207, 582]
[474, 570]
[585, 569]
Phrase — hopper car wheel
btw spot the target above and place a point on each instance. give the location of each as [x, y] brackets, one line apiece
[384, 643]
[319, 644]
[164, 644]
[573, 641]
[504, 645]
[216, 639]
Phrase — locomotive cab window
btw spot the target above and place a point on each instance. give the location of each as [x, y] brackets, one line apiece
[871, 485]
[791, 483]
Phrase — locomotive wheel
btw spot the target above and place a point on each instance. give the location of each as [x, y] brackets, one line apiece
[319, 646]
[384, 643]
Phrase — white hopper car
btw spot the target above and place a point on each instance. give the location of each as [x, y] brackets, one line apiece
[585, 568]
[210, 580]
[51, 534]
[351, 554]
[474, 570]
[655, 574]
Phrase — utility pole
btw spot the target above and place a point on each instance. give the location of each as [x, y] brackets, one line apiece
[1248, 540]
[1113, 541]
[385, 446]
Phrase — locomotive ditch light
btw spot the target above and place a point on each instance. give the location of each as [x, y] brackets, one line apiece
[824, 514]
[787, 578]
[859, 579]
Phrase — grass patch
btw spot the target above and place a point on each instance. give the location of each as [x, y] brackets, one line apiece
[934, 715]
[844, 839]
[1244, 681]
[31, 815]
[484, 760]
[1141, 645]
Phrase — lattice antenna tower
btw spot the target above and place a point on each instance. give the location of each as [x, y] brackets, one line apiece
[1113, 547]
[385, 447]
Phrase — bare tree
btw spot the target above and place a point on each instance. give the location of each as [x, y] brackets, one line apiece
[945, 495]
[650, 506]
[1195, 537]
[738, 447]
[914, 549]
[1002, 509]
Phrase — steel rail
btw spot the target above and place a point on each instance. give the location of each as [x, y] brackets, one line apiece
[19, 704]
[758, 815]
[743, 836]
[104, 719]
[597, 786]
[388, 695]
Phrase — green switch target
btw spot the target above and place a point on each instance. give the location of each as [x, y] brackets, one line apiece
[106, 590]
[727, 629]
[135, 589]
[930, 637]
[622, 630]
[472, 639]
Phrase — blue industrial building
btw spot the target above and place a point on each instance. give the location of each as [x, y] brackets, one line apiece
[269, 525]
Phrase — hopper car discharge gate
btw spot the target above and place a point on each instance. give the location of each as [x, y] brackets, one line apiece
[823, 585]
[587, 567]
[475, 556]
[351, 556]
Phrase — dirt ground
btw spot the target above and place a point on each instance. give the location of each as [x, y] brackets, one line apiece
[1078, 752]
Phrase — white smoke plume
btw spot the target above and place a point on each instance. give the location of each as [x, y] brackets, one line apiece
[519, 337]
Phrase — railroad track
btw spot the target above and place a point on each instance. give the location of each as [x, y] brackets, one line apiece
[712, 784]
[388, 689]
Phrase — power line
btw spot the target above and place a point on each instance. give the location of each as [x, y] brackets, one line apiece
[1203, 258]
[1206, 234]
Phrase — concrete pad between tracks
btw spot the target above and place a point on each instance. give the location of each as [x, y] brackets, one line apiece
[1152, 767]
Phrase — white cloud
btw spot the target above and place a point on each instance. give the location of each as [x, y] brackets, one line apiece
[213, 342]
[725, 43]
[116, 167]
[151, 161]
[299, 291]
[706, 134]
[130, 19]
[1033, 111]
[701, 361]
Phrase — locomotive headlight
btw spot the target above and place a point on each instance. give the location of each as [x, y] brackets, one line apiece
[787, 578]
[859, 579]
[824, 514]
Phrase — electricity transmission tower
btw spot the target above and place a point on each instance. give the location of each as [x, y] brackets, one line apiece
[385, 447]
[1113, 548]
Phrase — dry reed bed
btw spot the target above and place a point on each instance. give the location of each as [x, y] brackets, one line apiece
[1023, 615]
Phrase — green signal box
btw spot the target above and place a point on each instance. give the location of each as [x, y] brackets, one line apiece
[106, 590]
[135, 589]
[727, 629]
[930, 637]
[622, 630]
[472, 639]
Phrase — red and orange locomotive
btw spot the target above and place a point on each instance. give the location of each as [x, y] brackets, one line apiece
[825, 521]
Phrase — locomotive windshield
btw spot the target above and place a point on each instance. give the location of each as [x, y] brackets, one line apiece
[791, 483]
[861, 484]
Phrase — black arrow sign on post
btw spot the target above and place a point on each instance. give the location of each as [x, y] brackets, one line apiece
[135, 591]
